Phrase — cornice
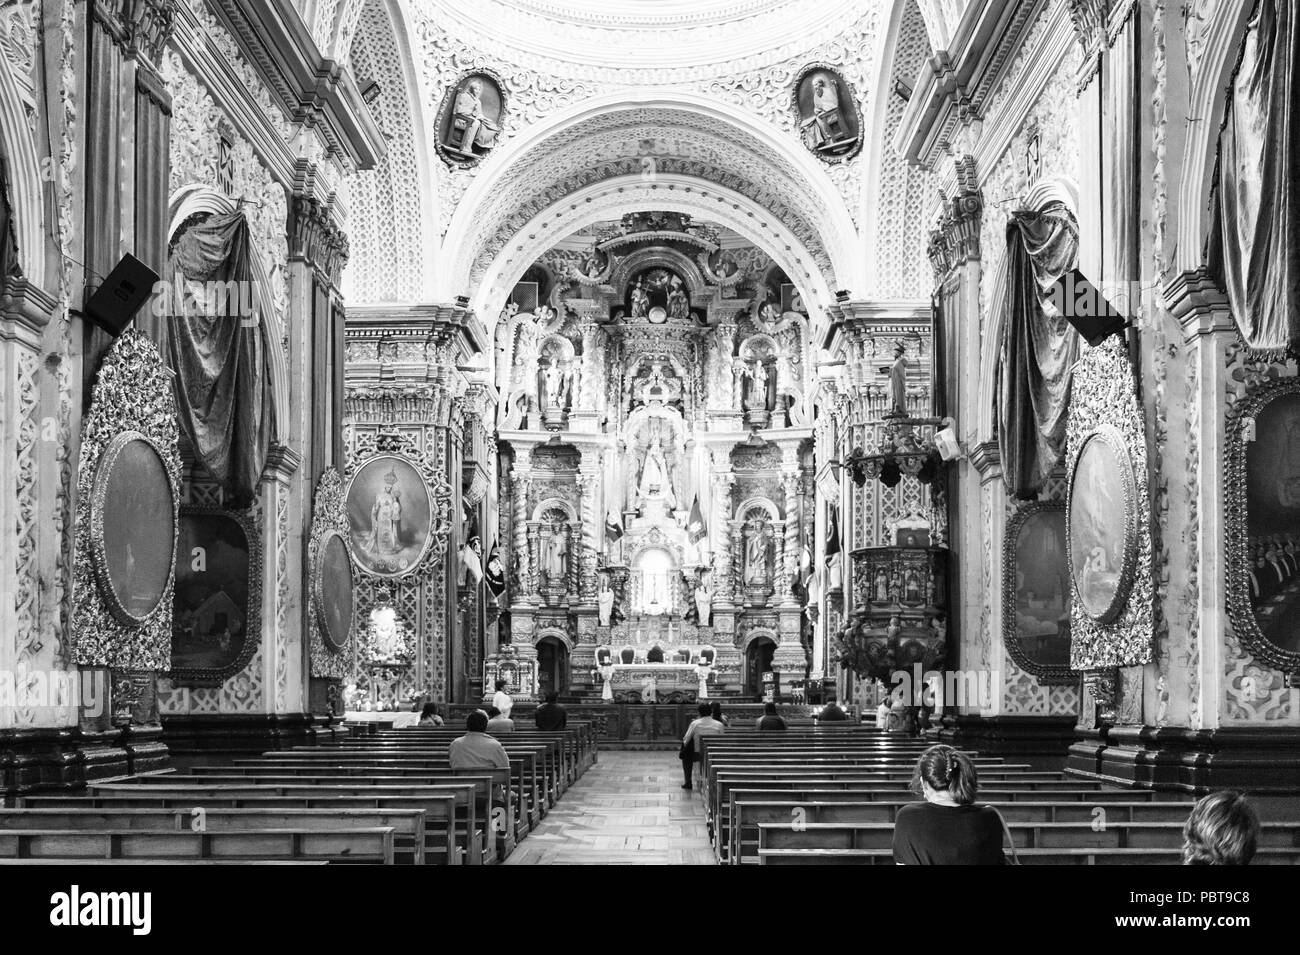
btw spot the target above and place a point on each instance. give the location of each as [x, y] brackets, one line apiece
[316, 92]
[955, 84]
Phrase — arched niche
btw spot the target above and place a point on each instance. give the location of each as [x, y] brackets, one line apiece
[665, 258]
[760, 504]
[552, 504]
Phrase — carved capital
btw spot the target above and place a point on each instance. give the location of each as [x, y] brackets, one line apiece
[315, 239]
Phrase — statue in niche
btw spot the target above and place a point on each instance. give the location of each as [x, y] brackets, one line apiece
[557, 383]
[703, 604]
[756, 372]
[897, 383]
[656, 478]
[759, 536]
[679, 303]
[555, 552]
[882, 586]
[605, 601]
[640, 300]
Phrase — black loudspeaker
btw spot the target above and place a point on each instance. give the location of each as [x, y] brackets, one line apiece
[1085, 308]
[115, 302]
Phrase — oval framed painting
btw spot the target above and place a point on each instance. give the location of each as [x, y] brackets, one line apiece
[332, 586]
[1263, 523]
[133, 528]
[1101, 525]
[390, 515]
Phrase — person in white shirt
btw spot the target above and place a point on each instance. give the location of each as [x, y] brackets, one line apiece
[501, 699]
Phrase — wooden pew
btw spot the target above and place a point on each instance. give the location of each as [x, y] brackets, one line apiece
[374, 846]
[409, 839]
[453, 823]
[1027, 857]
[193, 790]
[749, 808]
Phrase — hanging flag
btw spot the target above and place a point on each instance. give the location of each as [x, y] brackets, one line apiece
[613, 526]
[695, 526]
[832, 537]
[495, 572]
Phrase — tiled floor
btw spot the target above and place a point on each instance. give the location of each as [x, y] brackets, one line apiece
[628, 809]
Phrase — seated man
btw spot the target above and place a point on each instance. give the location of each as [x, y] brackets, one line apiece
[832, 713]
[551, 716]
[477, 750]
[770, 720]
[498, 722]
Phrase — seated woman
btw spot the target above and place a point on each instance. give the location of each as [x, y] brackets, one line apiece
[947, 828]
[429, 715]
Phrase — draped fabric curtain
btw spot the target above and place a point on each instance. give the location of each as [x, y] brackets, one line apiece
[1253, 249]
[217, 349]
[1039, 347]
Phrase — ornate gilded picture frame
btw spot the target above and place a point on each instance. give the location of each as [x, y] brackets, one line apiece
[1262, 523]
[1036, 592]
[217, 603]
[390, 516]
[1101, 525]
[133, 528]
[333, 595]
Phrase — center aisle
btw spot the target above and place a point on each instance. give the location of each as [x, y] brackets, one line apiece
[628, 809]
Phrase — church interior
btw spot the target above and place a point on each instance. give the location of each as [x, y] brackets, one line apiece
[922, 362]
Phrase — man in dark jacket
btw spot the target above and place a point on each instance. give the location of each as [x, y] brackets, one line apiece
[551, 716]
[770, 720]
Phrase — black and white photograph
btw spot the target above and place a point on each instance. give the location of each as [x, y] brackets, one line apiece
[648, 433]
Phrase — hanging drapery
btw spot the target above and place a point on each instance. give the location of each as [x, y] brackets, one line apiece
[1253, 249]
[1038, 348]
[216, 347]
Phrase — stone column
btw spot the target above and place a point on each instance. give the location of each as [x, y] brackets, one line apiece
[782, 595]
[738, 562]
[790, 484]
[533, 586]
[520, 481]
[723, 480]
[589, 539]
[283, 650]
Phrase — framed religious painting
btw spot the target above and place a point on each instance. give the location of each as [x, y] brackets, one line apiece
[332, 590]
[1102, 525]
[1262, 483]
[217, 602]
[390, 516]
[827, 113]
[132, 528]
[470, 119]
[1036, 592]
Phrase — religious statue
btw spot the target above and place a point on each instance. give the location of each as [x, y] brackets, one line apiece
[479, 132]
[556, 382]
[386, 519]
[555, 550]
[703, 604]
[898, 384]
[656, 480]
[649, 689]
[679, 303]
[640, 300]
[605, 601]
[824, 128]
[756, 372]
[882, 586]
[757, 572]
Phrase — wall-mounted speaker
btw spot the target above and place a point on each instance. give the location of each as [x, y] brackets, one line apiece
[128, 286]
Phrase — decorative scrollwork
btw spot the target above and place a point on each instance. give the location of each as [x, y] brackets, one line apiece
[329, 519]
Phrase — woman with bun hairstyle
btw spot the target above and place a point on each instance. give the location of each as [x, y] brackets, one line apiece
[947, 828]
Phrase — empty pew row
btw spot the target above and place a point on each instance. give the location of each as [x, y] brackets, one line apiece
[373, 846]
